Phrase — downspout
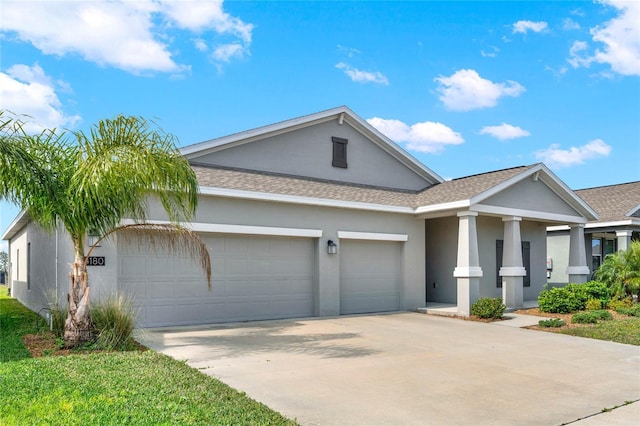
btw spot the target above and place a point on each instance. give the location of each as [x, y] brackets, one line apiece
[56, 279]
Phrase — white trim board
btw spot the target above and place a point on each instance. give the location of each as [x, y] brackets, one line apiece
[222, 228]
[371, 236]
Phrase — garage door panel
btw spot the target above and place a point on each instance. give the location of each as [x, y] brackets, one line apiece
[160, 289]
[370, 276]
[252, 278]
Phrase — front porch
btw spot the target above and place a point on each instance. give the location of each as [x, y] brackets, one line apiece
[451, 310]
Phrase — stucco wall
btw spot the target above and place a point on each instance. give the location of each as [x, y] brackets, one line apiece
[309, 152]
[51, 260]
[531, 195]
[33, 282]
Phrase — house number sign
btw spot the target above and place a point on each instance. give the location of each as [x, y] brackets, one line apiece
[96, 261]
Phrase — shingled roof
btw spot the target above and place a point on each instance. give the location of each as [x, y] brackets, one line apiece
[449, 191]
[613, 203]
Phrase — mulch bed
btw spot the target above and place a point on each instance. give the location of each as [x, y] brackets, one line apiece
[44, 344]
[566, 317]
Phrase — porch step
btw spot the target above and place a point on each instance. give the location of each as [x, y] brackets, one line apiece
[441, 309]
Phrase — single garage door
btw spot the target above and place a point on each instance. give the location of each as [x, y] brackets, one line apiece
[370, 276]
[254, 278]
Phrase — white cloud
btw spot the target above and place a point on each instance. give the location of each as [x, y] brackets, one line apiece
[504, 131]
[569, 24]
[198, 15]
[492, 52]
[619, 41]
[363, 76]
[200, 45]
[427, 136]
[29, 91]
[558, 158]
[226, 52]
[465, 90]
[349, 51]
[524, 26]
[576, 57]
[125, 34]
[557, 73]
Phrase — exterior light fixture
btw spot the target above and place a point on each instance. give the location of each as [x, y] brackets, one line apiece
[332, 248]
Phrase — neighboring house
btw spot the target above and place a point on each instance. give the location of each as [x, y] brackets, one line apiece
[323, 215]
[618, 208]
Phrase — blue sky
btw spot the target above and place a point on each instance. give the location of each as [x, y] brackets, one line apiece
[466, 87]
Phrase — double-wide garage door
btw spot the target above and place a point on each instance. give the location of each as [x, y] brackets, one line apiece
[253, 278]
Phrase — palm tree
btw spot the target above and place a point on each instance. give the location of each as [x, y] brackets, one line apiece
[621, 271]
[90, 182]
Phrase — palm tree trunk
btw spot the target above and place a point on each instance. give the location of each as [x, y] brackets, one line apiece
[78, 328]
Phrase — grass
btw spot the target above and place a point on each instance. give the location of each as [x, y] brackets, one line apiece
[110, 387]
[622, 330]
[15, 322]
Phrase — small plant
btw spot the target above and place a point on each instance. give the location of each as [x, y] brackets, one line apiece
[114, 320]
[58, 317]
[552, 323]
[594, 305]
[591, 317]
[615, 304]
[488, 307]
[584, 318]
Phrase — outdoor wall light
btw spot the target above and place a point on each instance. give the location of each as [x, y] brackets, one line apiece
[332, 248]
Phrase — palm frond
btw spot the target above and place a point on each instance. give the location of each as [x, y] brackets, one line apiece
[165, 238]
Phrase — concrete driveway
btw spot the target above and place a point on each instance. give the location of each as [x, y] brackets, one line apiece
[413, 369]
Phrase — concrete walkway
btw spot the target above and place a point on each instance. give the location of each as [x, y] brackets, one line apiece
[415, 369]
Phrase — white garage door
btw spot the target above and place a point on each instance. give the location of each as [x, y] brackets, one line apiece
[370, 276]
[254, 278]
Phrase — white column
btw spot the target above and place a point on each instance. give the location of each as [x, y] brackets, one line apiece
[467, 271]
[512, 269]
[578, 270]
[624, 239]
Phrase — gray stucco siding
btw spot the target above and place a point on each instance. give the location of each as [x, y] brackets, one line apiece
[309, 152]
[534, 196]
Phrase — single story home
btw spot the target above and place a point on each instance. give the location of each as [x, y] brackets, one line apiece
[618, 209]
[323, 215]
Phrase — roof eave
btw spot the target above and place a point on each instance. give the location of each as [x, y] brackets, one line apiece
[21, 220]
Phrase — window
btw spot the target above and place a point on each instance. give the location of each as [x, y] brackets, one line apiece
[526, 262]
[339, 152]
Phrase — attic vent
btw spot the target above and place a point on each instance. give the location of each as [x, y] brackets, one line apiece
[339, 152]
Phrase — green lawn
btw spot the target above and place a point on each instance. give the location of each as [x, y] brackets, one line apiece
[110, 388]
[625, 330]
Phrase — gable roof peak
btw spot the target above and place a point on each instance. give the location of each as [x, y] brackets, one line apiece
[342, 114]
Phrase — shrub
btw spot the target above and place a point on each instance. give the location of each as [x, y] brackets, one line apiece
[114, 320]
[595, 290]
[573, 297]
[552, 322]
[584, 318]
[631, 312]
[488, 307]
[591, 317]
[559, 300]
[615, 304]
[594, 305]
